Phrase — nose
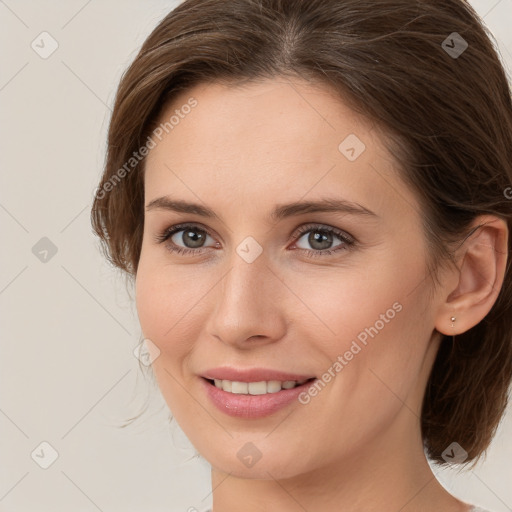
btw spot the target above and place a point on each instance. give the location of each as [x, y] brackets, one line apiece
[249, 304]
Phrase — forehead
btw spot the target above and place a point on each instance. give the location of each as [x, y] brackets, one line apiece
[289, 120]
[268, 139]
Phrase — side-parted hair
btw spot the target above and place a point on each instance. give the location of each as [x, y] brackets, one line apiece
[427, 73]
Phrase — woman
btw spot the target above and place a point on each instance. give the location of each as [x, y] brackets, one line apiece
[313, 198]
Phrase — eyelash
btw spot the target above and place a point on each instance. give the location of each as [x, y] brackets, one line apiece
[348, 241]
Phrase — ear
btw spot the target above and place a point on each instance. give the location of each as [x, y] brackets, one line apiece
[476, 283]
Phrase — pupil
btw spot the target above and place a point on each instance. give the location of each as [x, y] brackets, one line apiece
[320, 238]
[196, 238]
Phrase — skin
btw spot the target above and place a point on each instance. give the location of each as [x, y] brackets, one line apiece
[241, 151]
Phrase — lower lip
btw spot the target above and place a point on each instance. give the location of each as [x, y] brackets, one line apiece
[253, 406]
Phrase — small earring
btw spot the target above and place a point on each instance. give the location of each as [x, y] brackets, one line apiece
[453, 321]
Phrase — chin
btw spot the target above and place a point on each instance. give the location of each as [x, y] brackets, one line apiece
[260, 460]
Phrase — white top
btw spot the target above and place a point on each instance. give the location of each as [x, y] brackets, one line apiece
[474, 509]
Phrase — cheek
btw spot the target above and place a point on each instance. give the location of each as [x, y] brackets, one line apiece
[171, 301]
[380, 324]
[162, 311]
[165, 295]
[151, 304]
[350, 304]
[380, 368]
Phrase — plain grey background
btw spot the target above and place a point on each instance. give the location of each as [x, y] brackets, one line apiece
[68, 374]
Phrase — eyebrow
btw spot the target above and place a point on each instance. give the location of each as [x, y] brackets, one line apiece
[281, 211]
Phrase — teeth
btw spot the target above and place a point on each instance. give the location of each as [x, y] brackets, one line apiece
[273, 386]
[240, 388]
[256, 388]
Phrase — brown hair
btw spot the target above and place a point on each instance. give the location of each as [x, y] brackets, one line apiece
[447, 119]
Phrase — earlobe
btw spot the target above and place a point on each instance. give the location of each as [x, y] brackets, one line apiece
[482, 260]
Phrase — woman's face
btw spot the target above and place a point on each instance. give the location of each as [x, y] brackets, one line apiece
[279, 292]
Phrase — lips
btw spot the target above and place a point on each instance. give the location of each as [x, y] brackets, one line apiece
[253, 404]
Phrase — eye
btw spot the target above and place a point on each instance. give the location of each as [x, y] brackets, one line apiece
[193, 237]
[321, 239]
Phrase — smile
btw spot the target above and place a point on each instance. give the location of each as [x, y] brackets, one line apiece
[252, 400]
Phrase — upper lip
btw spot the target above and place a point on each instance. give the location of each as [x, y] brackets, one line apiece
[252, 374]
